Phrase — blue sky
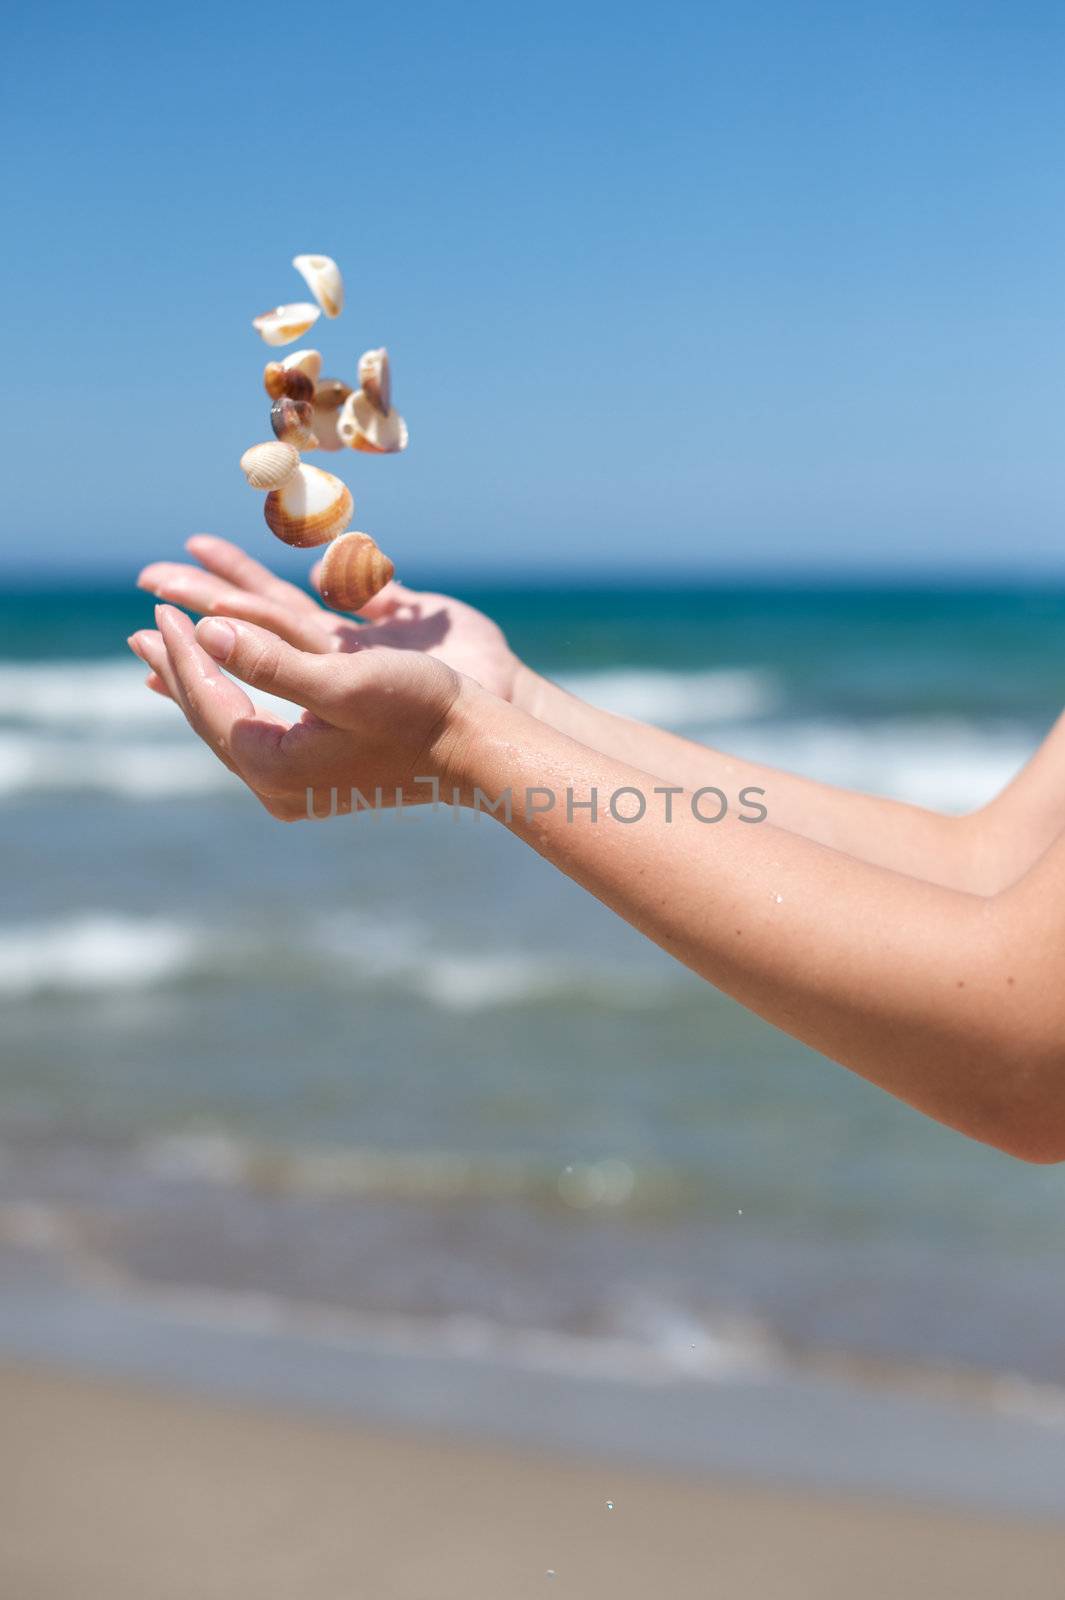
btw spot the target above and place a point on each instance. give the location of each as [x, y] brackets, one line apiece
[701, 287]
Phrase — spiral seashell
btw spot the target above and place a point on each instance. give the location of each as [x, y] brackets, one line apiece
[375, 379]
[285, 323]
[268, 466]
[292, 422]
[322, 277]
[311, 507]
[353, 571]
[362, 427]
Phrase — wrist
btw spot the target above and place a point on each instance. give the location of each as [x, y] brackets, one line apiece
[461, 745]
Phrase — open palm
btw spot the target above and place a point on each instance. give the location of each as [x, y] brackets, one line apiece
[229, 582]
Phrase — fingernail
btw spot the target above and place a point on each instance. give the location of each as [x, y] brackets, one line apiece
[217, 638]
[134, 646]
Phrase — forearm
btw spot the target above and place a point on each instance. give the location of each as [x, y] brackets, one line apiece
[951, 851]
[901, 980]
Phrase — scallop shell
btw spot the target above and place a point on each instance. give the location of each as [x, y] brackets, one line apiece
[292, 422]
[322, 277]
[309, 508]
[285, 323]
[362, 427]
[375, 379]
[268, 466]
[353, 571]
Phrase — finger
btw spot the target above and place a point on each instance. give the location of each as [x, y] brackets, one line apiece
[147, 644]
[237, 567]
[243, 737]
[260, 658]
[155, 683]
[201, 591]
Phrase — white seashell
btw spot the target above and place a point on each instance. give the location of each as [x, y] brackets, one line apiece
[362, 427]
[308, 361]
[311, 507]
[268, 466]
[375, 379]
[353, 571]
[285, 323]
[322, 277]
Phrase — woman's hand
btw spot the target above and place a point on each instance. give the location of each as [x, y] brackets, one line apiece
[377, 721]
[229, 582]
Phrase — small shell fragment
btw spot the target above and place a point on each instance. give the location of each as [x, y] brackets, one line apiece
[292, 422]
[285, 323]
[322, 277]
[375, 379]
[268, 466]
[311, 507]
[362, 427]
[353, 571]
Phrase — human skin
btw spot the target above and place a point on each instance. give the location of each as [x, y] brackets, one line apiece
[984, 852]
[948, 997]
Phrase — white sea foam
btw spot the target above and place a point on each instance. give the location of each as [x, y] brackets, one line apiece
[673, 699]
[93, 954]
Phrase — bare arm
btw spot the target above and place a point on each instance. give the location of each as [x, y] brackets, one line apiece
[983, 852]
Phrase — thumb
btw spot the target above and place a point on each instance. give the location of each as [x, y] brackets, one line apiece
[260, 658]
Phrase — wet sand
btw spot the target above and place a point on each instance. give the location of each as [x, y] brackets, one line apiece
[119, 1491]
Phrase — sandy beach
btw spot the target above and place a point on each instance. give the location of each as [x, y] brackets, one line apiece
[120, 1491]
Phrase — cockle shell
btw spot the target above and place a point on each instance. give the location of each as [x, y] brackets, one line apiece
[308, 361]
[322, 277]
[353, 571]
[362, 427]
[329, 396]
[268, 466]
[375, 379]
[285, 323]
[309, 508]
[292, 421]
[331, 393]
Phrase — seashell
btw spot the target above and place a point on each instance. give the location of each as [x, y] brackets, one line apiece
[292, 422]
[324, 424]
[362, 427]
[331, 393]
[308, 361]
[309, 508]
[375, 379]
[268, 466]
[353, 571]
[322, 277]
[274, 379]
[285, 323]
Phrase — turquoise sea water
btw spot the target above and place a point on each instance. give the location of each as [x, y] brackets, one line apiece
[398, 1067]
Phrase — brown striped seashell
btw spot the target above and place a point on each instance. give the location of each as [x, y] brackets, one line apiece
[274, 379]
[322, 277]
[268, 466]
[285, 323]
[292, 422]
[309, 508]
[280, 378]
[353, 571]
[362, 427]
[375, 379]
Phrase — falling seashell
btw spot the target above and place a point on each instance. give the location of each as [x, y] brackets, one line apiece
[308, 361]
[274, 379]
[285, 323]
[292, 422]
[268, 466]
[362, 427]
[324, 424]
[375, 378]
[309, 508]
[353, 571]
[322, 277]
[331, 393]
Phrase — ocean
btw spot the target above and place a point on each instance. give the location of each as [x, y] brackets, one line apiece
[397, 1072]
